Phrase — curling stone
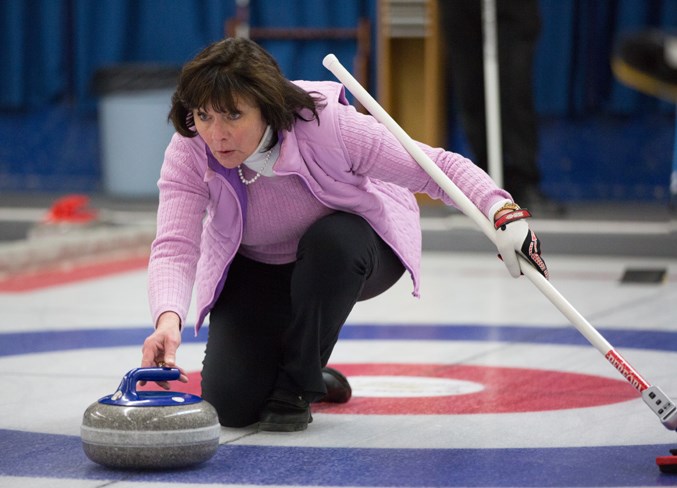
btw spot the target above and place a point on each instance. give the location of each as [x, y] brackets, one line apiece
[150, 429]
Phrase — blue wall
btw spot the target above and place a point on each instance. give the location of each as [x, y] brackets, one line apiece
[600, 140]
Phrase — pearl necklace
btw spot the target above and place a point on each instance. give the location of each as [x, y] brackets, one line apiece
[258, 175]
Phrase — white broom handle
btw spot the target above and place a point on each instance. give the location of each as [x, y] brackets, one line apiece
[332, 63]
[492, 96]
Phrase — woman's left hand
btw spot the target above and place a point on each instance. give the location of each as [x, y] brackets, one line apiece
[514, 237]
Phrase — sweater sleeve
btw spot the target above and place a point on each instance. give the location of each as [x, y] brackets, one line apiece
[375, 152]
[176, 248]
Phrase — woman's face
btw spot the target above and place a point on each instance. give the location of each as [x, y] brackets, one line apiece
[232, 137]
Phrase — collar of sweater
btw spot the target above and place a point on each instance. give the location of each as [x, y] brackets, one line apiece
[259, 160]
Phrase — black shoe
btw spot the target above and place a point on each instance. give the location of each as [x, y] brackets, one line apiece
[285, 411]
[338, 388]
[646, 62]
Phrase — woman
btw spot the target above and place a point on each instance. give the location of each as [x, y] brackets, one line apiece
[285, 207]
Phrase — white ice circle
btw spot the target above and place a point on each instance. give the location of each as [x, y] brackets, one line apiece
[410, 386]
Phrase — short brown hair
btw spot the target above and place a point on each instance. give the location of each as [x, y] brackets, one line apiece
[238, 67]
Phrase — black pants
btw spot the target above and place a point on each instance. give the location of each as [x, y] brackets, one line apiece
[275, 326]
[518, 28]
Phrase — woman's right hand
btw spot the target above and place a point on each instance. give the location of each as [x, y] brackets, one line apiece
[159, 348]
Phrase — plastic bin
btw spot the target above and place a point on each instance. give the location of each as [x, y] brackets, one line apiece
[134, 101]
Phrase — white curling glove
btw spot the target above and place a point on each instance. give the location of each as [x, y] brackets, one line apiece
[514, 237]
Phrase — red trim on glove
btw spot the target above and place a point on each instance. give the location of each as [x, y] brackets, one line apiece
[520, 214]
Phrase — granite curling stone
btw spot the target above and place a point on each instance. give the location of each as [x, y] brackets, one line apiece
[150, 429]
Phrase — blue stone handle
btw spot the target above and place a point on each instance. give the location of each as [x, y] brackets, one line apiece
[152, 374]
[127, 389]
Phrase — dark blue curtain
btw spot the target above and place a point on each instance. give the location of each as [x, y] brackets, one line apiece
[303, 60]
[33, 34]
[50, 49]
[141, 31]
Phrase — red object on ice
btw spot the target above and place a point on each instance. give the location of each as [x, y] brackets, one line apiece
[668, 464]
[71, 209]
